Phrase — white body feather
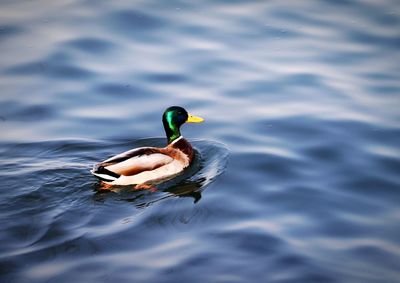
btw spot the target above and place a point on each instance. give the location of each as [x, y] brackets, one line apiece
[165, 171]
[143, 160]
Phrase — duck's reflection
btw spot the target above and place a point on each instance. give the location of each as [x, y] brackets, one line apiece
[144, 198]
[188, 189]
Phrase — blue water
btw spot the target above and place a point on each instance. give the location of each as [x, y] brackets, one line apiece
[298, 176]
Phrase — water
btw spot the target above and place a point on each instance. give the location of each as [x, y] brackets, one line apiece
[304, 98]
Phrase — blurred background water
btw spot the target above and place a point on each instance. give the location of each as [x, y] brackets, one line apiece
[303, 94]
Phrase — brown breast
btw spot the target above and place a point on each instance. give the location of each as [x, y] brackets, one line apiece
[184, 146]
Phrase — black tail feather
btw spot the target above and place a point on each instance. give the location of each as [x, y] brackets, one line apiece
[102, 170]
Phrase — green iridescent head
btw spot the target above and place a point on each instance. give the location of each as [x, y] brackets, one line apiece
[173, 118]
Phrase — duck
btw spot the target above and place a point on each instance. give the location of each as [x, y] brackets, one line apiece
[146, 165]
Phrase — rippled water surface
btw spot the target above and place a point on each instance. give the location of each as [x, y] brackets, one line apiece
[303, 96]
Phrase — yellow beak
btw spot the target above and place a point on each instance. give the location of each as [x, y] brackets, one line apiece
[194, 119]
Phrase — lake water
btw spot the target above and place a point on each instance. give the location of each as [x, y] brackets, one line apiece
[298, 176]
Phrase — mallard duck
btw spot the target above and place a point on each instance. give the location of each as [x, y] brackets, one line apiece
[148, 164]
